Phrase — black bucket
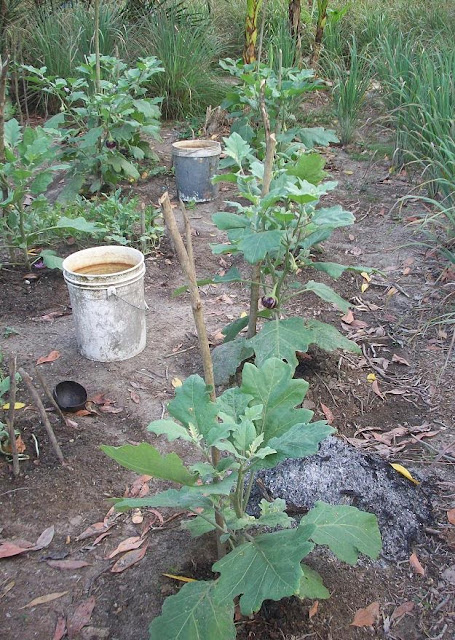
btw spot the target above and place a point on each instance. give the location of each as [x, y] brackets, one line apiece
[195, 163]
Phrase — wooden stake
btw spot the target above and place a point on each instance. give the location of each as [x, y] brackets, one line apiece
[50, 396]
[186, 259]
[10, 419]
[42, 411]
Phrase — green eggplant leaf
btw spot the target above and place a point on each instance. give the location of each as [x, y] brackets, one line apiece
[311, 585]
[195, 613]
[192, 405]
[267, 568]
[227, 357]
[146, 460]
[327, 293]
[309, 167]
[346, 530]
[170, 429]
[256, 246]
[335, 270]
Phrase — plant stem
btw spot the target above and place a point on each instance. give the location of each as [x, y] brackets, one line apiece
[3, 77]
[24, 238]
[268, 172]
[97, 47]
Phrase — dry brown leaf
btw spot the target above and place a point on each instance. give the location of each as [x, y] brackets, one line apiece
[45, 539]
[366, 617]
[348, 317]
[44, 599]
[400, 611]
[101, 537]
[107, 408]
[400, 360]
[313, 609]
[60, 629]
[376, 389]
[7, 589]
[328, 413]
[135, 397]
[8, 549]
[130, 558]
[127, 545]
[53, 355]
[80, 617]
[415, 564]
[136, 488]
[100, 398]
[93, 530]
[83, 412]
[451, 516]
[68, 564]
[137, 517]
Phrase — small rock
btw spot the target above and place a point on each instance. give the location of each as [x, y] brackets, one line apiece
[449, 575]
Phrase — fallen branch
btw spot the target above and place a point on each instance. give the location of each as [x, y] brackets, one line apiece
[50, 396]
[10, 419]
[42, 411]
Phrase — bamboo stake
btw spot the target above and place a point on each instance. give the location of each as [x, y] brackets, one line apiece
[186, 259]
[42, 411]
[50, 396]
[10, 419]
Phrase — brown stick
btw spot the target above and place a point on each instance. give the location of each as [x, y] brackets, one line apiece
[10, 420]
[186, 259]
[268, 172]
[42, 411]
[50, 396]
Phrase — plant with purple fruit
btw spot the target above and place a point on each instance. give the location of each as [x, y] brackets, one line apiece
[102, 130]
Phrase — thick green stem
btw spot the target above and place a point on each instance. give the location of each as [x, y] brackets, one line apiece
[97, 47]
[24, 238]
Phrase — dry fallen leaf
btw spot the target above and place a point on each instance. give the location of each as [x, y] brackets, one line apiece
[53, 355]
[127, 545]
[7, 589]
[44, 599]
[68, 564]
[375, 388]
[313, 609]
[137, 516]
[128, 560]
[17, 405]
[366, 617]
[135, 397]
[328, 413]
[107, 408]
[348, 318]
[371, 377]
[8, 549]
[404, 472]
[176, 382]
[400, 360]
[80, 617]
[415, 564]
[451, 516]
[180, 578]
[45, 539]
[60, 629]
[400, 611]
[93, 530]
[137, 488]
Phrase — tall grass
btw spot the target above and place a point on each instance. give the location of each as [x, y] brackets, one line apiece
[351, 79]
[189, 53]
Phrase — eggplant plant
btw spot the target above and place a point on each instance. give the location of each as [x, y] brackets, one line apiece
[25, 175]
[102, 129]
[282, 93]
[254, 426]
[279, 232]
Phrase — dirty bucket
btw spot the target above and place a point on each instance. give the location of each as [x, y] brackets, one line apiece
[195, 163]
[106, 287]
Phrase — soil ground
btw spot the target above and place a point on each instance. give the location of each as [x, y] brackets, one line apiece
[391, 318]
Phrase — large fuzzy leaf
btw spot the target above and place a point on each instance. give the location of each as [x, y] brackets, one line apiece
[317, 136]
[311, 585]
[346, 530]
[170, 429]
[192, 405]
[195, 613]
[273, 386]
[280, 339]
[237, 149]
[227, 357]
[327, 293]
[233, 402]
[225, 220]
[268, 568]
[327, 337]
[333, 217]
[79, 224]
[309, 167]
[336, 270]
[300, 441]
[146, 460]
[184, 498]
[256, 246]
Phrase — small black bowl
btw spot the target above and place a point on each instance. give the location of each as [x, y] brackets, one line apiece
[70, 395]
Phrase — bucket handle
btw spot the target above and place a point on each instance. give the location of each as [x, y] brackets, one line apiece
[112, 291]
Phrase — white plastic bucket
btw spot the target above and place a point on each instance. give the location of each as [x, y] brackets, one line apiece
[108, 309]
